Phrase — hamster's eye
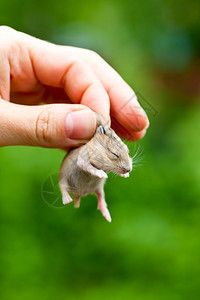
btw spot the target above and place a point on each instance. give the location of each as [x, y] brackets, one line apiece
[117, 156]
[101, 130]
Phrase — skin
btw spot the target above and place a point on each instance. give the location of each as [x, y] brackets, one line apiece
[72, 82]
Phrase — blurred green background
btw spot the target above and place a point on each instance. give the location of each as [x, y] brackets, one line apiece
[151, 250]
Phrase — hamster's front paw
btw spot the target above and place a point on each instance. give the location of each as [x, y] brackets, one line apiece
[100, 173]
[125, 175]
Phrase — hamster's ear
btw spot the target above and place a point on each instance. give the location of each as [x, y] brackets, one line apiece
[101, 130]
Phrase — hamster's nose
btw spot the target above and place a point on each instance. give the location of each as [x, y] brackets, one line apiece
[127, 170]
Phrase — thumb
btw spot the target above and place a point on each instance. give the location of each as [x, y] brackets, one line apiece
[49, 126]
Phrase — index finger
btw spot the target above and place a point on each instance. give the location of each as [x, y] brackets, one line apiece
[124, 104]
[58, 66]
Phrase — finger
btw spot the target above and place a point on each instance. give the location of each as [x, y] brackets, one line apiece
[126, 133]
[46, 95]
[4, 77]
[52, 126]
[83, 86]
[124, 104]
[56, 66]
[29, 98]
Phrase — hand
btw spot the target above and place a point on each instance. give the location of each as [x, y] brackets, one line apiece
[33, 71]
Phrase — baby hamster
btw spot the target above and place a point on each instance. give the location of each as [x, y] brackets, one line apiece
[83, 170]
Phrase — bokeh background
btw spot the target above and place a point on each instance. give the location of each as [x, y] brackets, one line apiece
[151, 250]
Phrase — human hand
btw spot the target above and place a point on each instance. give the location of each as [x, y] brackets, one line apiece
[33, 71]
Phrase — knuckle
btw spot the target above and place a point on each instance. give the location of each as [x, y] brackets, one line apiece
[77, 64]
[91, 54]
[45, 127]
[8, 40]
[6, 29]
[76, 68]
[94, 54]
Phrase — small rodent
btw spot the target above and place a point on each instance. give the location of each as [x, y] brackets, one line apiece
[83, 170]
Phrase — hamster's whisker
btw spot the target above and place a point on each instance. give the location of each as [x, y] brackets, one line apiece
[112, 175]
[138, 152]
[137, 165]
[135, 153]
[139, 159]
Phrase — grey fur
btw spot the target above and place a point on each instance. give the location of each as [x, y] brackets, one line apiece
[82, 167]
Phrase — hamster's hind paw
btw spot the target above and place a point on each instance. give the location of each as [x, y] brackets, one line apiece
[66, 198]
[77, 202]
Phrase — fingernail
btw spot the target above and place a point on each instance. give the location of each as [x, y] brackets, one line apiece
[80, 125]
[147, 126]
[142, 134]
